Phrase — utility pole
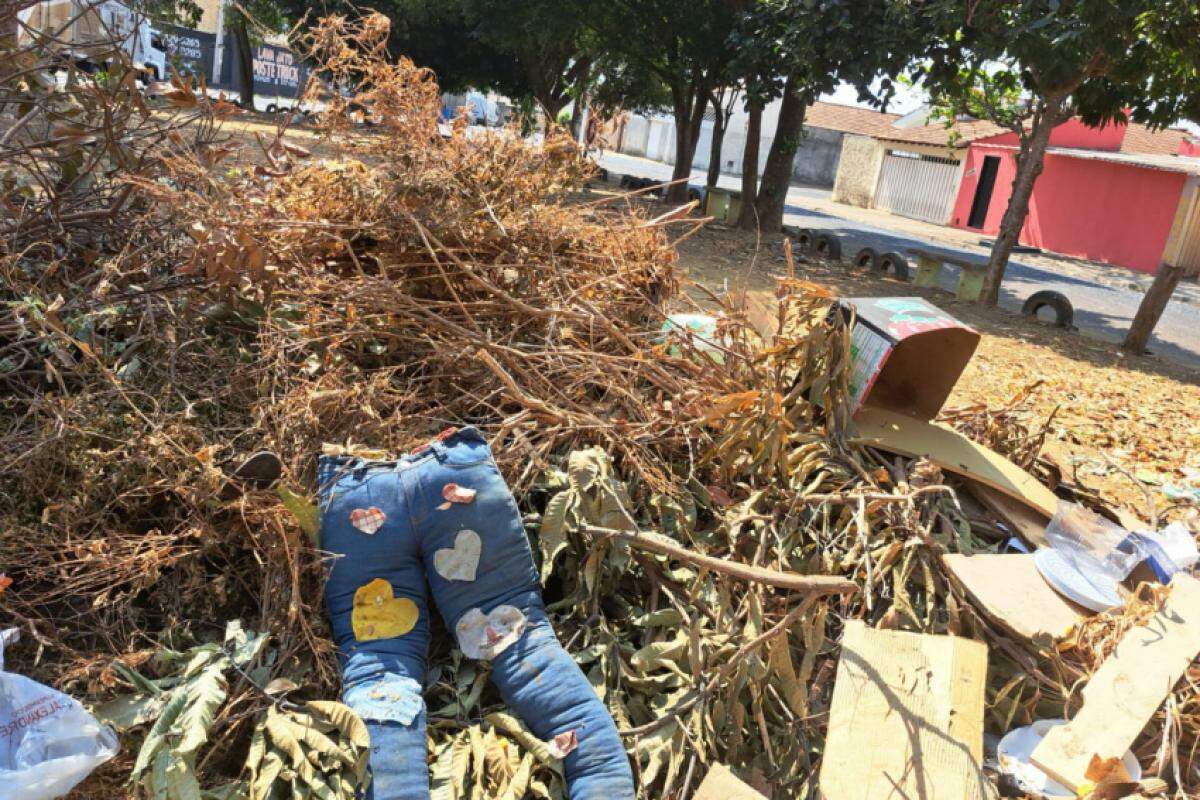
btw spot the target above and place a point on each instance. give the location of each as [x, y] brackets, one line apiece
[219, 48]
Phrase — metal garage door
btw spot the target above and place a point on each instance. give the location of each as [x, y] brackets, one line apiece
[917, 186]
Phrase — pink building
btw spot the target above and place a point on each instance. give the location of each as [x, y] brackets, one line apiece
[1121, 194]
[1093, 200]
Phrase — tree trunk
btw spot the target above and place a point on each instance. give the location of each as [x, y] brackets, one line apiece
[548, 77]
[1030, 161]
[777, 174]
[714, 153]
[245, 60]
[552, 104]
[576, 118]
[581, 100]
[10, 29]
[1151, 309]
[748, 221]
[689, 114]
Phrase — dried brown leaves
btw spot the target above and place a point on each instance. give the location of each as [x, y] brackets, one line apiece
[418, 281]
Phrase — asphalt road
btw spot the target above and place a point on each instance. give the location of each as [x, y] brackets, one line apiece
[1101, 310]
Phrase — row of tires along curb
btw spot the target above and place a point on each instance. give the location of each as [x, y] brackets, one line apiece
[828, 246]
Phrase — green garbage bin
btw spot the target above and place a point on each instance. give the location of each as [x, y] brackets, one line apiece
[723, 205]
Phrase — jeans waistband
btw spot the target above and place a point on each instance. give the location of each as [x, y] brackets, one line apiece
[330, 466]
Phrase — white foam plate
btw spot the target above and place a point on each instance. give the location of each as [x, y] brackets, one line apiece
[1018, 744]
[1090, 590]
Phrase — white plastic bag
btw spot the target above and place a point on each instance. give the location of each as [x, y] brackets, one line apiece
[48, 742]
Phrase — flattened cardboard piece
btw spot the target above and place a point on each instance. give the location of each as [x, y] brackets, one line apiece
[721, 784]
[1127, 689]
[950, 450]
[906, 720]
[1008, 588]
[906, 354]
[1020, 518]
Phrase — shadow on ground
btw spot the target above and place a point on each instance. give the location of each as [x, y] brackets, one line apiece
[725, 259]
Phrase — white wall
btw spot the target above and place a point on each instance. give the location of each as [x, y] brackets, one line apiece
[658, 141]
[637, 132]
[660, 144]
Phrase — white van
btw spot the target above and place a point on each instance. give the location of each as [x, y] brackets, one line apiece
[93, 34]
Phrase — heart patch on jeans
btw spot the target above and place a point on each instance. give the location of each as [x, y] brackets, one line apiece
[563, 744]
[485, 636]
[460, 562]
[367, 520]
[453, 493]
[379, 614]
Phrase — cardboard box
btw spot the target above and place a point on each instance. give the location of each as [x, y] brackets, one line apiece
[906, 354]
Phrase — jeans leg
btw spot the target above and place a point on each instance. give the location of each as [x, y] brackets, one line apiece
[544, 686]
[377, 600]
[399, 770]
[481, 574]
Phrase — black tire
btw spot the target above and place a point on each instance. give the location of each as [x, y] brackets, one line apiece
[804, 240]
[867, 258]
[272, 108]
[828, 246]
[1064, 312]
[894, 263]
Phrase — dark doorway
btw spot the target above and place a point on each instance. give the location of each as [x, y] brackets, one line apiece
[983, 191]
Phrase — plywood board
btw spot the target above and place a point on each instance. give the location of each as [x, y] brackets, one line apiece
[952, 451]
[1008, 588]
[906, 720]
[1128, 688]
[721, 784]
[1023, 520]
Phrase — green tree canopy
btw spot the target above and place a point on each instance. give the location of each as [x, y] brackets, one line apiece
[799, 51]
[680, 49]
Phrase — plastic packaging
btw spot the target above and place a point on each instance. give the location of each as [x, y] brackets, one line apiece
[1091, 543]
[700, 328]
[1168, 551]
[48, 742]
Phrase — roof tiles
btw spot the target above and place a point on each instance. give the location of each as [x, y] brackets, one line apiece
[1140, 139]
[848, 119]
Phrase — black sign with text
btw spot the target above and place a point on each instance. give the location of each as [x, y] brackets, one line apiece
[277, 71]
[189, 52]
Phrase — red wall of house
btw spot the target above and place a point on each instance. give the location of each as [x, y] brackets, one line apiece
[1099, 210]
[1074, 133]
[1000, 194]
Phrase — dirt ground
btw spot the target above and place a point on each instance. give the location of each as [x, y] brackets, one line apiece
[1126, 426]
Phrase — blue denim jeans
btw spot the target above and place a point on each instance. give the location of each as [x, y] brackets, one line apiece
[443, 521]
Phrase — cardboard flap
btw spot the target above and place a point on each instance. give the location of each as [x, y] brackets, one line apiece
[921, 371]
[907, 354]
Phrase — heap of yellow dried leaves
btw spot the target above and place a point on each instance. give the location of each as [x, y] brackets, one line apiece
[416, 281]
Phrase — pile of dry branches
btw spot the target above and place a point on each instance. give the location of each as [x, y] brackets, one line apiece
[413, 282]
